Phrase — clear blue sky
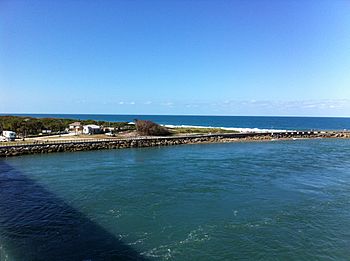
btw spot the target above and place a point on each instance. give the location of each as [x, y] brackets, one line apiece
[175, 57]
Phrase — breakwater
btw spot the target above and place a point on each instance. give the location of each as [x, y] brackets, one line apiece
[71, 146]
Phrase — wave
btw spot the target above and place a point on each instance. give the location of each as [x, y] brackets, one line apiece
[241, 130]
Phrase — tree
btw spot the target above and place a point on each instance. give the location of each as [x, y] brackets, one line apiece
[150, 128]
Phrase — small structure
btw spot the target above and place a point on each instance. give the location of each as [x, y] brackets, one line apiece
[9, 135]
[46, 131]
[91, 129]
[110, 129]
[75, 127]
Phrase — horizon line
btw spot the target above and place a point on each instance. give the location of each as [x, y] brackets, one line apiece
[141, 114]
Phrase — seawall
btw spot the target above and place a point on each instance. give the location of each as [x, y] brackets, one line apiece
[24, 149]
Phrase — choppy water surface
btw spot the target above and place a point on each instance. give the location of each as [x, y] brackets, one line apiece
[287, 200]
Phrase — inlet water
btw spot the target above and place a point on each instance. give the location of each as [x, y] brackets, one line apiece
[285, 200]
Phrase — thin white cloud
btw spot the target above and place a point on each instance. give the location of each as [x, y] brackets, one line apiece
[192, 105]
[126, 103]
[167, 104]
[324, 107]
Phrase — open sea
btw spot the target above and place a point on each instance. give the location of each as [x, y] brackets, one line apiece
[260, 122]
[279, 200]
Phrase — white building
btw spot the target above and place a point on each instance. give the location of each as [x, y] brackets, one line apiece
[75, 127]
[91, 129]
[9, 135]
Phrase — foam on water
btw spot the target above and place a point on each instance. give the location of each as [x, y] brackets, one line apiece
[242, 130]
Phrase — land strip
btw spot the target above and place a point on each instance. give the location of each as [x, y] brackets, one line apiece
[40, 147]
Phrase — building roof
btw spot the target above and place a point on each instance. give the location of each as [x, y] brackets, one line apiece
[92, 126]
[7, 131]
[77, 123]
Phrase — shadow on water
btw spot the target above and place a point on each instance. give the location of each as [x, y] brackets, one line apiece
[37, 225]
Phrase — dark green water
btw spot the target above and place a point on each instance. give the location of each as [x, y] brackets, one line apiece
[286, 200]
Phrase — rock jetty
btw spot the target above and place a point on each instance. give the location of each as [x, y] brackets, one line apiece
[71, 146]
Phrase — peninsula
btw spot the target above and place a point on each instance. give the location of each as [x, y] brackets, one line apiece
[46, 135]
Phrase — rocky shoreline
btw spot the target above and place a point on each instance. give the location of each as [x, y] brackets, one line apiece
[25, 149]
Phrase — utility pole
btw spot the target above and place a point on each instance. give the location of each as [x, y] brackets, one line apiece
[25, 129]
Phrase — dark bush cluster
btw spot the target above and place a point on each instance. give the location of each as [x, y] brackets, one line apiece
[150, 128]
[26, 126]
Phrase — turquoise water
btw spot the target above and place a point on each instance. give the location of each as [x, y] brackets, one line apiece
[260, 122]
[283, 200]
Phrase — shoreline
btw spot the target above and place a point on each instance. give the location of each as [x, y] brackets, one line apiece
[237, 129]
[142, 142]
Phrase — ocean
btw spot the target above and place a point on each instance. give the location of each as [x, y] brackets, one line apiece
[279, 200]
[260, 122]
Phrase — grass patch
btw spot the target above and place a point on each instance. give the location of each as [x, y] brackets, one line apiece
[191, 130]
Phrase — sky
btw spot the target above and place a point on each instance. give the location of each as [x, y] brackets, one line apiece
[196, 57]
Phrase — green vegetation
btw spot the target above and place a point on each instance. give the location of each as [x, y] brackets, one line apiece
[191, 130]
[150, 128]
[29, 126]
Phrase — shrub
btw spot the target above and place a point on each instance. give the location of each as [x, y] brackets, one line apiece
[26, 126]
[150, 128]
